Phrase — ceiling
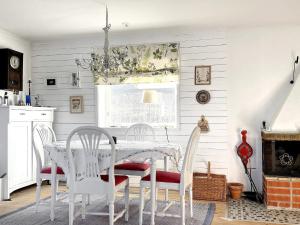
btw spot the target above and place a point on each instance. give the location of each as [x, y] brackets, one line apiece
[46, 19]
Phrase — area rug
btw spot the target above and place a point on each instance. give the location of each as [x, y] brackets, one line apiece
[203, 215]
[246, 210]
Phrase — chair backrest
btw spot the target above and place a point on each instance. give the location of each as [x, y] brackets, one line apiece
[140, 132]
[187, 168]
[42, 135]
[84, 161]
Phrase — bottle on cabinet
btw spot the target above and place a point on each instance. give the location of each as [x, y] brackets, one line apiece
[5, 99]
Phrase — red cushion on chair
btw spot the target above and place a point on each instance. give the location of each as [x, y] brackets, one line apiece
[118, 179]
[164, 176]
[133, 166]
[48, 170]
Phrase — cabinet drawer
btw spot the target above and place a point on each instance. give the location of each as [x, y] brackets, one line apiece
[19, 115]
[42, 115]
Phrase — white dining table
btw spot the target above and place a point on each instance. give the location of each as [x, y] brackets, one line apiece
[124, 150]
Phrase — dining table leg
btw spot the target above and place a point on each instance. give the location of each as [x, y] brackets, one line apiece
[153, 190]
[53, 189]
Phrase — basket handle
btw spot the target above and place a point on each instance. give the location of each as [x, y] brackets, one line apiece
[208, 169]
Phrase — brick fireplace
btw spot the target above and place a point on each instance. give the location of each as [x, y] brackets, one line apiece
[281, 170]
[282, 192]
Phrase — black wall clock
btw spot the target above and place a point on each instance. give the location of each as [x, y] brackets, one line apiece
[11, 70]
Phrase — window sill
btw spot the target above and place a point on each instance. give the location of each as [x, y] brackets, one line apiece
[126, 127]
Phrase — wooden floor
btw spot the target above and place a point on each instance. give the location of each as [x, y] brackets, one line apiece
[26, 196]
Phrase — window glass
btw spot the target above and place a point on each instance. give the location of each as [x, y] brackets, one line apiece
[124, 105]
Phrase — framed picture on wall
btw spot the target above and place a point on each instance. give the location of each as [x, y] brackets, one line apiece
[202, 75]
[76, 104]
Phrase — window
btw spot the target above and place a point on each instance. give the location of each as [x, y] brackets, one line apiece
[126, 104]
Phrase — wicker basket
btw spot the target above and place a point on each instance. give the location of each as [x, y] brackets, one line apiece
[207, 186]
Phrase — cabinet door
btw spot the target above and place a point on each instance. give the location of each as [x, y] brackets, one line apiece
[19, 153]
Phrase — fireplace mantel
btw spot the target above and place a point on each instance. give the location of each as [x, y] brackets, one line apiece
[280, 136]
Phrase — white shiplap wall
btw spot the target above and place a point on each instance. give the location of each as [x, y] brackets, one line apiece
[56, 59]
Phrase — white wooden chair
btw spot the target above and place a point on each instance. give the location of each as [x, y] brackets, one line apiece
[136, 132]
[174, 181]
[42, 135]
[85, 174]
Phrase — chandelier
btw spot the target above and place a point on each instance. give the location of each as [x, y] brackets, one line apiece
[100, 65]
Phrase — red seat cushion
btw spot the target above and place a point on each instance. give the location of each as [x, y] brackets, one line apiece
[48, 170]
[118, 179]
[133, 166]
[164, 176]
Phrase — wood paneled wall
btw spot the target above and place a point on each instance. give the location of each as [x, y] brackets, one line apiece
[55, 59]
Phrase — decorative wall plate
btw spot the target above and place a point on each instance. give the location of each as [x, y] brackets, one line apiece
[203, 97]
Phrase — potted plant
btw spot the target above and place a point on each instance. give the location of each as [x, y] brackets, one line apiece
[236, 190]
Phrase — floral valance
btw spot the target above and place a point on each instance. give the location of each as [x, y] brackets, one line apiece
[147, 63]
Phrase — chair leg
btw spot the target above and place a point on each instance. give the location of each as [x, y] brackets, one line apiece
[57, 184]
[191, 200]
[71, 208]
[166, 195]
[166, 169]
[142, 189]
[89, 199]
[107, 202]
[38, 193]
[84, 197]
[182, 203]
[156, 194]
[111, 213]
[127, 202]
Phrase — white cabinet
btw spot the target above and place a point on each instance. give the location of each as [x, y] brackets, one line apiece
[20, 153]
[17, 158]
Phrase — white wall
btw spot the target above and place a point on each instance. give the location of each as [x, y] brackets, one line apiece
[250, 82]
[259, 71]
[12, 41]
[56, 59]
[287, 118]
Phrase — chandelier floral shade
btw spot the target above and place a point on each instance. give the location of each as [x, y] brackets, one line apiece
[146, 63]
